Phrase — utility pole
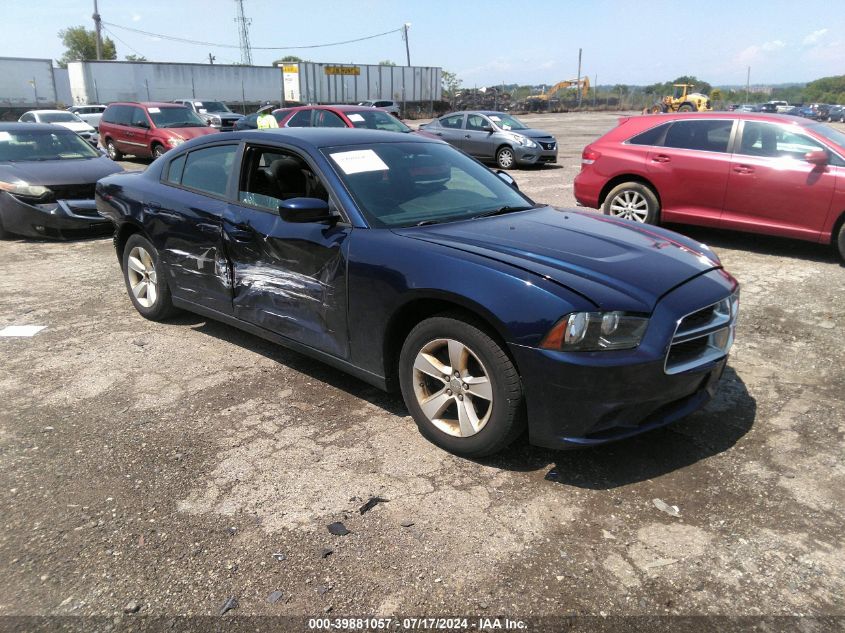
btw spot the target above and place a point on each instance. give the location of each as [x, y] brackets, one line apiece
[98, 30]
[243, 31]
[407, 46]
[747, 84]
[578, 83]
[211, 59]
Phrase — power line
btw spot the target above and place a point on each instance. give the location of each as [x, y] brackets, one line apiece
[183, 40]
[110, 32]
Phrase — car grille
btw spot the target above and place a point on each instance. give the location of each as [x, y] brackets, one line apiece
[73, 192]
[703, 336]
[547, 144]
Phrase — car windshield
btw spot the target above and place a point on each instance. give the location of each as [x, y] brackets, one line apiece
[36, 145]
[211, 106]
[830, 134]
[507, 122]
[175, 117]
[59, 117]
[377, 120]
[410, 184]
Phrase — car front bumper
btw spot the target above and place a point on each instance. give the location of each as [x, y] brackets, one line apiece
[588, 398]
[65, 219]
[534, 155]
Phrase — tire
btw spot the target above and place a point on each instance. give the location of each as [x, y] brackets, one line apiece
[686, 107]
[458, 420]
[158, 151]
[505, 158]
[633, 201]
[839, 241]
[4, 234]
[113, 152]
[658, 109]
[151, 295]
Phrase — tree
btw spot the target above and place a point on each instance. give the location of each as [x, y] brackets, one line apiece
[291, 58]
[386, 62]
[81, 44]
[135, 58]
[451, 84]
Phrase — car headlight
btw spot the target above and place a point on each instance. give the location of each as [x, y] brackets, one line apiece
[523, 140]
[214, 120]
[174, 141]
[595, 332]
[21, 188]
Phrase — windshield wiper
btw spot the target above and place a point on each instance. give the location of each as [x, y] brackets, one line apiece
[503, 210]
[427, 222]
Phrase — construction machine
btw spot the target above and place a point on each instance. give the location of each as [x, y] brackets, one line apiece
[582, 84]
[683, 100]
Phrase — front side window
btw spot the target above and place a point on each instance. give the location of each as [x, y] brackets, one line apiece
[476, 122]
[270, 176]
[41, 145]
[774, 141]
[164, 117]
[327, 118]
[407, 184]
[207, 169]
[702, 134]
[376, 120]
[300, 119]
[454, 121]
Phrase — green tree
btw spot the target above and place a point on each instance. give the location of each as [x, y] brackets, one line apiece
[135, 58]
[386, 62]
[81, 44]
[451, 84]
[291, 58]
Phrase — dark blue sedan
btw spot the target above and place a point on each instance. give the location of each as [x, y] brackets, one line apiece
[412, 266]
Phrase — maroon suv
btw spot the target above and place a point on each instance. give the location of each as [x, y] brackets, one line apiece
[761, 173]
[148, 129]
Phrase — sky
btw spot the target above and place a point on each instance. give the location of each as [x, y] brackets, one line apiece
[484, 42]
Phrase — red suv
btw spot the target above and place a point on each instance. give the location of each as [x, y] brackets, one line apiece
[148, 129]
[772, 174]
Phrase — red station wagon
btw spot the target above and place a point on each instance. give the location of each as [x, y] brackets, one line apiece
[148, 129]
[759, 173]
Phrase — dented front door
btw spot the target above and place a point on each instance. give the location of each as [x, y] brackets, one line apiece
[289, 278]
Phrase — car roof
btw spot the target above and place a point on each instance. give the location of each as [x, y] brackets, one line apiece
[149, 104]
[15, 126]
[44, 111]
[338, 107]
[748, 116]
[317, 138]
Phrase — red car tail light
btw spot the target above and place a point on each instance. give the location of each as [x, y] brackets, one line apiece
[589, 156]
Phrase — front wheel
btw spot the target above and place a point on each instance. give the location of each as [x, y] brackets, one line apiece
[686, 108]
[145, 279]
[158, 151]
[840, 242]
[632, 201]
[461, 387]
[505, 158]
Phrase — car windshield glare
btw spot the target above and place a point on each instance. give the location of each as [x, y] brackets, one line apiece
[507, 122]
[175, 117]
[59, 117]
[36, 145]
[377, 120]
[408, 184]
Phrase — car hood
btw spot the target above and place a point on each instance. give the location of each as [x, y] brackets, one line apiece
[76, 126]
[59, 172]
[227, 115]
[532, 133]
[187, 133]
[616, 264]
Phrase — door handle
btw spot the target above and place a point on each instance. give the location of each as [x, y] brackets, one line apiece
[438, 133]
[660, 158]
[743, 169]
[467, 136]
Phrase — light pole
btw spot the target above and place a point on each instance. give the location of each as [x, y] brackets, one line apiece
[407, 46]
[98, 30]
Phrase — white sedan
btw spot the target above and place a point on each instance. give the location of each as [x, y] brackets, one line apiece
[64, 118]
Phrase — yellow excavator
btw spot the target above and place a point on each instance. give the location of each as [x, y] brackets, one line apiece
[682, 101]
[582, 84]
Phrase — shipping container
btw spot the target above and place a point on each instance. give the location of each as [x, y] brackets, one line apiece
[107, 81]
[26, 84]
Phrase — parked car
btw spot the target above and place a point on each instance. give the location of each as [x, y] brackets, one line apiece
[215, 113]
[836, 113]
[791, 111]
[64, 118]
[768, 108]
[748, 107]
[343, 116]
[760, 173]
[91, 114]
[47, 176]
[410, 265]
[495, 136]
[385, 104]
[250, 121]
[148, 129]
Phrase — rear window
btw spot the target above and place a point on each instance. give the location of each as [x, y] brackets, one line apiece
[654, 136]
[703, 135]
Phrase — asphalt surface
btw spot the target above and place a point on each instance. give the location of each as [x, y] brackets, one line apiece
[169, 467]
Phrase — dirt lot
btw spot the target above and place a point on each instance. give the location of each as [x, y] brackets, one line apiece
[176, 465]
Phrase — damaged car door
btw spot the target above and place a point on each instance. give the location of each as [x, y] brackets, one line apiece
[289, 277]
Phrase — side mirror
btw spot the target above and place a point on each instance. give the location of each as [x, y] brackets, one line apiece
[818, 157]
[486, 128]
[305, 210]
[143, 124]
[507, 178]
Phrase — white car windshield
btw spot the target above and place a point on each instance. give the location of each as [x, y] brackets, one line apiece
[59, 117]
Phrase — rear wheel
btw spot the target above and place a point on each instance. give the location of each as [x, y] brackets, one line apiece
[686, 107]
[840, 241]
[632, 201]
[113, 152]
[505, 158]
[657, 109]
[145, 279]
[460, 386]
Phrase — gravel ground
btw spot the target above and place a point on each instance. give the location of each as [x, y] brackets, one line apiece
[176, 465]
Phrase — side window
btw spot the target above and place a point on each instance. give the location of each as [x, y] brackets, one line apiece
[654, 136]
[702, 134]
[454, 122]
[123, 116]
[139, 118]
[174, 170]
[272, 175]
[108, 114]
[476, 122]
[28, 118]
[300, 119]
[208, 169]
[325, 118]
[383, 104]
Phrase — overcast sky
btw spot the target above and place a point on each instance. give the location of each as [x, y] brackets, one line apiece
[484, 42]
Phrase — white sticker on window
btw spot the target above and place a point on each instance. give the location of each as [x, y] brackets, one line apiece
[494, 118]
[198, 103]
[359, 161]
[5, 136]
[505, 126]
[355, 117]
[203, 111]
[153, 110]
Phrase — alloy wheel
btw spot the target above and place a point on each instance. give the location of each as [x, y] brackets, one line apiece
[453, 387]
[142, 277]
[629, 205]
[112, 151]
